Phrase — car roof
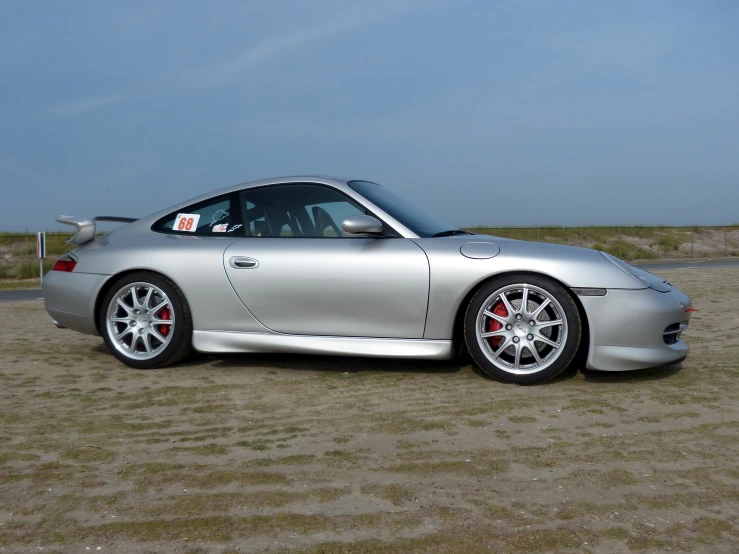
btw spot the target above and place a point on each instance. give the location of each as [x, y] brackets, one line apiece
[326, 179]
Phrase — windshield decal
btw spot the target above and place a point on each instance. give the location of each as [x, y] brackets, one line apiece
[218, 216]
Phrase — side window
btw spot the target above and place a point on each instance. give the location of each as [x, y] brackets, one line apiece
[215, 217]
[323, 214]
[297, 211]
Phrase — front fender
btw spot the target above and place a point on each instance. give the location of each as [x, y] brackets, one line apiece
[453, 275]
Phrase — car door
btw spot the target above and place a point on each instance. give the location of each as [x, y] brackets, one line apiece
[297, 271]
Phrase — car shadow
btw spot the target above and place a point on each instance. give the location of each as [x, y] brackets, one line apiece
[327, 364]
[347, 364]
[315, 363]
[591, 376]
[634, 376]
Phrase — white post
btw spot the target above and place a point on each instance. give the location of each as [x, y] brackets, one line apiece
[41, 253]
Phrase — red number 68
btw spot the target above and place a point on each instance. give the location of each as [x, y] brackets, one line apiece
[185, 224]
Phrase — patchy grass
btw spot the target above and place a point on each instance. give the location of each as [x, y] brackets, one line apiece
[522, 419]
[89, 454]
[458, 468]
[397, 494]
[318, 454]
[211, 449]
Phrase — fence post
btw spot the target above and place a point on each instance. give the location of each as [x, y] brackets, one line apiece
[27, 252]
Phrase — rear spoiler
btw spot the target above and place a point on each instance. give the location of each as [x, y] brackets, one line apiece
[86, 226]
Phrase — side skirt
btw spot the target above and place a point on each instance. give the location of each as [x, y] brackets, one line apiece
[234, 342]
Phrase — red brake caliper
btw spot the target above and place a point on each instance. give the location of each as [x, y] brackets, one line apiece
[164, 314]
[495, 325]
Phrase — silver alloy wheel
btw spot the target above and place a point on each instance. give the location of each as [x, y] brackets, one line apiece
[521, 329]
[140, 321]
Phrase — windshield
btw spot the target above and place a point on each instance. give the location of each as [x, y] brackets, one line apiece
[418, 221]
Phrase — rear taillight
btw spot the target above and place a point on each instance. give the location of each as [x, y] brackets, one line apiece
[64, 265]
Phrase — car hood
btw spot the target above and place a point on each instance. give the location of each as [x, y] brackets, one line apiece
[525, 247]
[571, 265]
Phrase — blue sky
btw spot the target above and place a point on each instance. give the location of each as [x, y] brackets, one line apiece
[484, 112]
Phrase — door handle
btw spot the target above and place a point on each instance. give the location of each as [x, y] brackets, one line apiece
[242, 262]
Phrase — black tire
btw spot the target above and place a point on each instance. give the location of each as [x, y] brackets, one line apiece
[180, 344]
[565, 352]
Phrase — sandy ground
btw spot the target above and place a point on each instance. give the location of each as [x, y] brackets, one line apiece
[277, 453]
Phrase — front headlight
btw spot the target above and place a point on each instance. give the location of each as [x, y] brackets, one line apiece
[648, 279]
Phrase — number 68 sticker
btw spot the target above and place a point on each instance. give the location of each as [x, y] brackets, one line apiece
[186, 222]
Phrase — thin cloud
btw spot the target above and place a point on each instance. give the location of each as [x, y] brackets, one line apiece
[251, 57]
[272, 48]
[228, 70]
[630, 47]
[75, 108]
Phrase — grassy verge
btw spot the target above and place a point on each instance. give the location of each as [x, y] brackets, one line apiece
[634, 243]
[25, 284]
[18, 261]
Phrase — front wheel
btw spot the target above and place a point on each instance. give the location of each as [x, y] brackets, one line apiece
[522, 329]
[145, 321]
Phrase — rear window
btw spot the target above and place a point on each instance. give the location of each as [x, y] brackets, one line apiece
[215, 217]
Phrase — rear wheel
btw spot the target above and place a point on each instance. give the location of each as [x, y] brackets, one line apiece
[522, 329]
[145, 321]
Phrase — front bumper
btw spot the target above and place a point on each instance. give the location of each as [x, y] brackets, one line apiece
[627, 328]
[69, 298]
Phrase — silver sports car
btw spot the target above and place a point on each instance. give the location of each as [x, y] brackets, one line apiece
[334, 266]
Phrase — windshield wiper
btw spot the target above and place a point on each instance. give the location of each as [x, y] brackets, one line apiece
[451, 232]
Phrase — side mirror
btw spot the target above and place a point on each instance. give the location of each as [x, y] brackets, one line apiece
[362, 225]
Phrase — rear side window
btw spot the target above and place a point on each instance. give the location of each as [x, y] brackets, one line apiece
[216, 217]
